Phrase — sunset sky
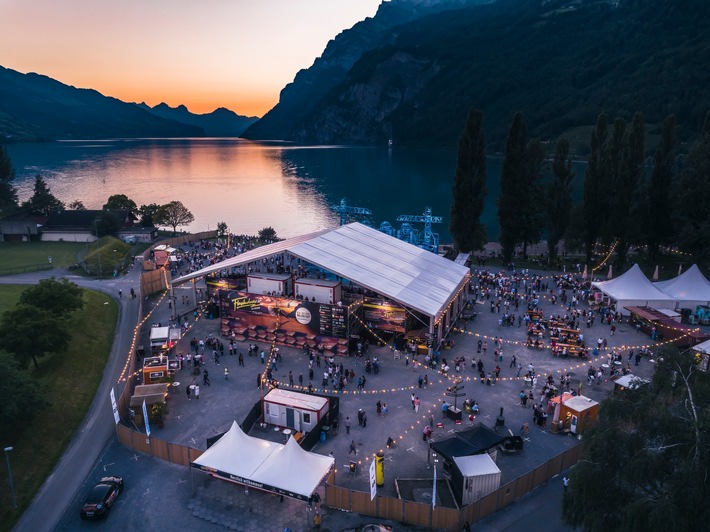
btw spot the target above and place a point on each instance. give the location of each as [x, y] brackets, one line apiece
[205, 54]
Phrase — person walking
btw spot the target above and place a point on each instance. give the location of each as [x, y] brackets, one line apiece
[565, 482]
[417, 402]
[353, 448]
[205, 377]
[187, 391]
[226, 374]
[241, 359]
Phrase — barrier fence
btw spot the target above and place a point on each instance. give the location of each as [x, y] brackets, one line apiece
[414, 513]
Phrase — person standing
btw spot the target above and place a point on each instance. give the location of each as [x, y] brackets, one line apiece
[565, 482]
[353, 448]
[187, 391]
[417, 402]
[364, 420]
[197, 391]
[205, 377]
[241, 359]
[226, 373]
[347, 425]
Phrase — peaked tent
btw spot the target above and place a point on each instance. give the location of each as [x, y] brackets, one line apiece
[633, 289]
[283, 469]
[689, 289]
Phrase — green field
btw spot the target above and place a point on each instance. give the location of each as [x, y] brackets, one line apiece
[15, 255]
[70, 382]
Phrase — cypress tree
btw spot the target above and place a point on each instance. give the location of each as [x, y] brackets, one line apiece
[512, 188]
[558, 197]
[659, 221]
[532, 209]
[593, 186]
[8, 193]
[469, 188]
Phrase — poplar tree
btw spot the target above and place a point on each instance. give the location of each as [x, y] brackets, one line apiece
[43, 201]
[512, 188]
[612, 155]
[692, 194]
[627, 204]
[8, 193]
[558, 197]
[593, 204]
[659, 229]
[532, 209]
[469, 188]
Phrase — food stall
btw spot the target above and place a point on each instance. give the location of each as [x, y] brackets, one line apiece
[573, 413]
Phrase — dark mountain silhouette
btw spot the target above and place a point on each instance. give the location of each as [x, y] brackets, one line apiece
[36, 107]
[559, 62]
[298, 99]
[219, 123]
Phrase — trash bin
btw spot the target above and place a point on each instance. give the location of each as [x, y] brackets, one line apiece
[322, 436]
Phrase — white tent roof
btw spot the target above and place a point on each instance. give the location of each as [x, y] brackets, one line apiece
[295, 470]
[412, 276]
[690, 286]
[237, 453]
[703, 347]
[633, 288]
[285, 469]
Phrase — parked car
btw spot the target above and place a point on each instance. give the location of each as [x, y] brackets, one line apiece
[101, 498]
[371, 527]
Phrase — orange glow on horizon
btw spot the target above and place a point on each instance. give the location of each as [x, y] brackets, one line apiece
[225, 53]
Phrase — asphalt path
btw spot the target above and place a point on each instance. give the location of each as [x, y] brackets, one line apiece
[58, 490]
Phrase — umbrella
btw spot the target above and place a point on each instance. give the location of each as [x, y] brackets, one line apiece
[680, 269]
[609, 275]
[655, 274]
[584, 273]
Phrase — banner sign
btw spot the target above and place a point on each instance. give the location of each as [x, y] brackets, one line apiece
[145, 418]
[384, 316]
[373, 482]
[242, 310]
[116, 417]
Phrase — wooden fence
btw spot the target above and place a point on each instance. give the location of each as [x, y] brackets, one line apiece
[340, 498]
[170, 452]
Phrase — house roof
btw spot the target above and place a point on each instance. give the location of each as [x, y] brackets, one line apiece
[81, 218]
[412, 276]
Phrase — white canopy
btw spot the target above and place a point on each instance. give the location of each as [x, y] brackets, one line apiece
[633, 289]
[690, 289]
[412, 276]
[703, 347]
[284, 469]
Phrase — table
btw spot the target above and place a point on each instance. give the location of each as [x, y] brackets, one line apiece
[286, 432]
[617, 363]
[176, 384]
[605, 366]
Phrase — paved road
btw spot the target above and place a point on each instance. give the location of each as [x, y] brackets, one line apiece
[76, 463]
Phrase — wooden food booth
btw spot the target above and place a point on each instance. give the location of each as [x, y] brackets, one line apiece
[574, 413]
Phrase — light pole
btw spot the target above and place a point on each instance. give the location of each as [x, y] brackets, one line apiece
[9, 472]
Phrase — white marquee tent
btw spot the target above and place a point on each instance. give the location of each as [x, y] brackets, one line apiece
[689, 289]
[283, 469]
[633, 289]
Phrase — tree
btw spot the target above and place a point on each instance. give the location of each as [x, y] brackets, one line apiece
[8, 193]
[30, 333]
[268, 234]
[594, 179]
[558, 197]
[76, 205]
[43, 201]
[147, 212]
[22, 395]
[469, 188]
[173, 214]
[59, 297]
[120, 202]
[513, 187]
[659, 229]
[627, 198]
[613, 150]
[106, 223]
[222, 228]
[644, 464]
[692, 199]
[532, 211]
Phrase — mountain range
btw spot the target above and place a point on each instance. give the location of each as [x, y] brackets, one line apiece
[35, 107]
[411, 73]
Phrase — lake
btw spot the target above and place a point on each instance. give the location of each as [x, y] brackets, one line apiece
[252, 185]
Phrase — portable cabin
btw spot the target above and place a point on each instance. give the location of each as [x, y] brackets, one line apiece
[298, 411]
[474, 477]
[276, 284]
[319, 290]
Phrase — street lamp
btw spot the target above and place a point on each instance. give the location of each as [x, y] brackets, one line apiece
[9, 472]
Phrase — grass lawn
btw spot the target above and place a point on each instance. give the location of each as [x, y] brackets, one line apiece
[15, 255]
[70, 382]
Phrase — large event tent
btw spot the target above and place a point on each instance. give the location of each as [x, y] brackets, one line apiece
[284, 469]
[633, 289]
[415, 278]
[689, 289]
